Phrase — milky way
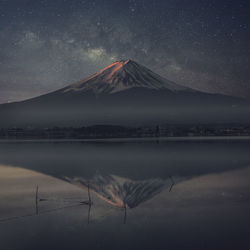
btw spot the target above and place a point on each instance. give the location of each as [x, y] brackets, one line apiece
[45, 45]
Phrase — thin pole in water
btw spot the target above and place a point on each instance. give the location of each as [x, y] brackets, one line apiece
[125, 214]
[172, 183]
[37, 200]
[90, 204]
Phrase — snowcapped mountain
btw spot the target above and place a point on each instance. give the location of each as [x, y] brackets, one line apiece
[124, 93]
[123, 75]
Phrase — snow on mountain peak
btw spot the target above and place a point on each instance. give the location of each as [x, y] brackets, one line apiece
[122, 75]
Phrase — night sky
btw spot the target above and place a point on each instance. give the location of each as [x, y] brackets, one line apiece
[47, 44]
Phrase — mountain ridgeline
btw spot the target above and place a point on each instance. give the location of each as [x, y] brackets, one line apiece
[124, 93]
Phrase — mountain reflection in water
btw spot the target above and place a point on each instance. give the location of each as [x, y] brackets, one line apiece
[121, 192]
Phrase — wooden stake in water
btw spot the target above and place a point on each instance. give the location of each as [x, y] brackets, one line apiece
[37, 200]
[90, 204]
[172, 183]
[125, 214]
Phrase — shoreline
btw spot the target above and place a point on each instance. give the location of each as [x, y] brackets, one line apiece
[132, 139]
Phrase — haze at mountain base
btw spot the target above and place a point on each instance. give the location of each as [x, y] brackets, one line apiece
[124, 93]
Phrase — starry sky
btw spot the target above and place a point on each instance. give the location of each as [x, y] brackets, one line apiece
[45, 44]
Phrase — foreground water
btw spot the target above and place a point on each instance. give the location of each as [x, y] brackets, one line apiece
[207, 208]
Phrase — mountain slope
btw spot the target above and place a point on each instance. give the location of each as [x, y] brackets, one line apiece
[122, 75]
[124, 93]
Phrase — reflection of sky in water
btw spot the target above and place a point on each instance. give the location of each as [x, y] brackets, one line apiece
[205, 212]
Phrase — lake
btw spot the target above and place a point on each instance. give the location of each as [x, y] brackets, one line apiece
[125, 194]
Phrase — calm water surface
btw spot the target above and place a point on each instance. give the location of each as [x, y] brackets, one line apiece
[207, 208]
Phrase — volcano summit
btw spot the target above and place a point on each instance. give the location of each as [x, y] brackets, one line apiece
[124, 93]
[122, 75]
